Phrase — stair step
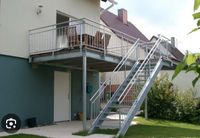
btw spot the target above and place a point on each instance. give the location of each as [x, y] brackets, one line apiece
[110, 113]
[108, 119]
[108, 126]
[117, 106]
[143, 75]
[142, 80]
[112, 120]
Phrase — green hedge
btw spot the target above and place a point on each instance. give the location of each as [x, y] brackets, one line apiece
[166, 102]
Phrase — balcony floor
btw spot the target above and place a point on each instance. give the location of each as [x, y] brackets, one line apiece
[72, 59]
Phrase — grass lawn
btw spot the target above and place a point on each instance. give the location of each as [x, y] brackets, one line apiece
[158, 129]
[22, 136]
[162, 129]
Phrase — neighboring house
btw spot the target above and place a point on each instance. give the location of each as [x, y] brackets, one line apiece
[120, 25]
[184, 80]
[120, 22]
[46, 86]
[174, 52]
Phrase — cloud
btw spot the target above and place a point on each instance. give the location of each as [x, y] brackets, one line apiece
[168, 17]
[158, 12]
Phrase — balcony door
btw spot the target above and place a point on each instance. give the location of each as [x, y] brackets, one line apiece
[62, 21]
[62, 98]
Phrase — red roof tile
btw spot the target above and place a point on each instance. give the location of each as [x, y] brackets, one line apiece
[111, 20]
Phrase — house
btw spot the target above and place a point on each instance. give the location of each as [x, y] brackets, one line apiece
[35, 86]
[120, 22]
[125, 89]
[52, 53]
[184, 80]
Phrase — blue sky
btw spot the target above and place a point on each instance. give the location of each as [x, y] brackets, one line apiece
[168, 17]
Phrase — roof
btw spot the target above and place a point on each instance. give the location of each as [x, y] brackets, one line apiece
[177, 53]
[112, 21]
[173, 50]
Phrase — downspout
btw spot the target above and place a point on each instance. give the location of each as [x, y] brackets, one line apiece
[112, 4]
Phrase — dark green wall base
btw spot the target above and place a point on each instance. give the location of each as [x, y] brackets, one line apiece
[29, 91]
[77, 93]
[26, 91]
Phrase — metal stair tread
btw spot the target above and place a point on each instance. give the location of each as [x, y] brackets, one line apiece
[117, 106]
[141, 73]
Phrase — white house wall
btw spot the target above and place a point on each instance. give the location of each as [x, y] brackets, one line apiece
[114, 47]
[118, 46]
[118, 78]
[184, 81]
[19, 16]
[164, 49]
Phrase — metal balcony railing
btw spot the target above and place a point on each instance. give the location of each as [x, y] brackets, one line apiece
[79, 34]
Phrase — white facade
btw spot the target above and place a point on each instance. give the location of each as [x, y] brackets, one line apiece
[19, 16]
[114, 47]
[119, 47]
[184, 81]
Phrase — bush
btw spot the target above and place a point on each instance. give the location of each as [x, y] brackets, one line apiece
[161, 99]
[166, 102]
[187, 108]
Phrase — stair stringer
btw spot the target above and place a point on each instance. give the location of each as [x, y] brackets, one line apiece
[110, 102]
[138, 102]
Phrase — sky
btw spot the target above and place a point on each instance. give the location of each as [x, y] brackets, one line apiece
[171, 18]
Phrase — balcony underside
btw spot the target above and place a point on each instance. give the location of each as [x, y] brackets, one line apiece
[72, 59]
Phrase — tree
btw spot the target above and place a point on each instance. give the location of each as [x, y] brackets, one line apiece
[196, 15]
[191, 62]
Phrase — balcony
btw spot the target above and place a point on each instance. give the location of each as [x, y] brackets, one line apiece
[64, 45]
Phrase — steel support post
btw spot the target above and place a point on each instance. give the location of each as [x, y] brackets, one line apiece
[146, 108]
[84, 91]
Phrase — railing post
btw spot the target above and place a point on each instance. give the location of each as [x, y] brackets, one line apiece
[84, 91]
[122, 39]
[91, 111]
[82, 31]
[120, 116]
[138, 53]
[110, 87]
[167, 50]
[104, 43]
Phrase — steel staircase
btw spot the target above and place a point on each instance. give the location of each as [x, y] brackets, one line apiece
[129, 96]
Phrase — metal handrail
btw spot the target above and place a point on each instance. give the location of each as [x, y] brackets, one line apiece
[139, 70]
[55, 24]
[142, 66]
[160, 60]
[150, 54]
[52, 29]
[115, 30]
[50, 34]
[117, 68]
[83, 20]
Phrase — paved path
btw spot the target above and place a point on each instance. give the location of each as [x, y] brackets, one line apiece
[64, 130]
[60, 130]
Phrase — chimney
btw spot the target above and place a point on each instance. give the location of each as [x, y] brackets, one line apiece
[123, 16]
[173, 41]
